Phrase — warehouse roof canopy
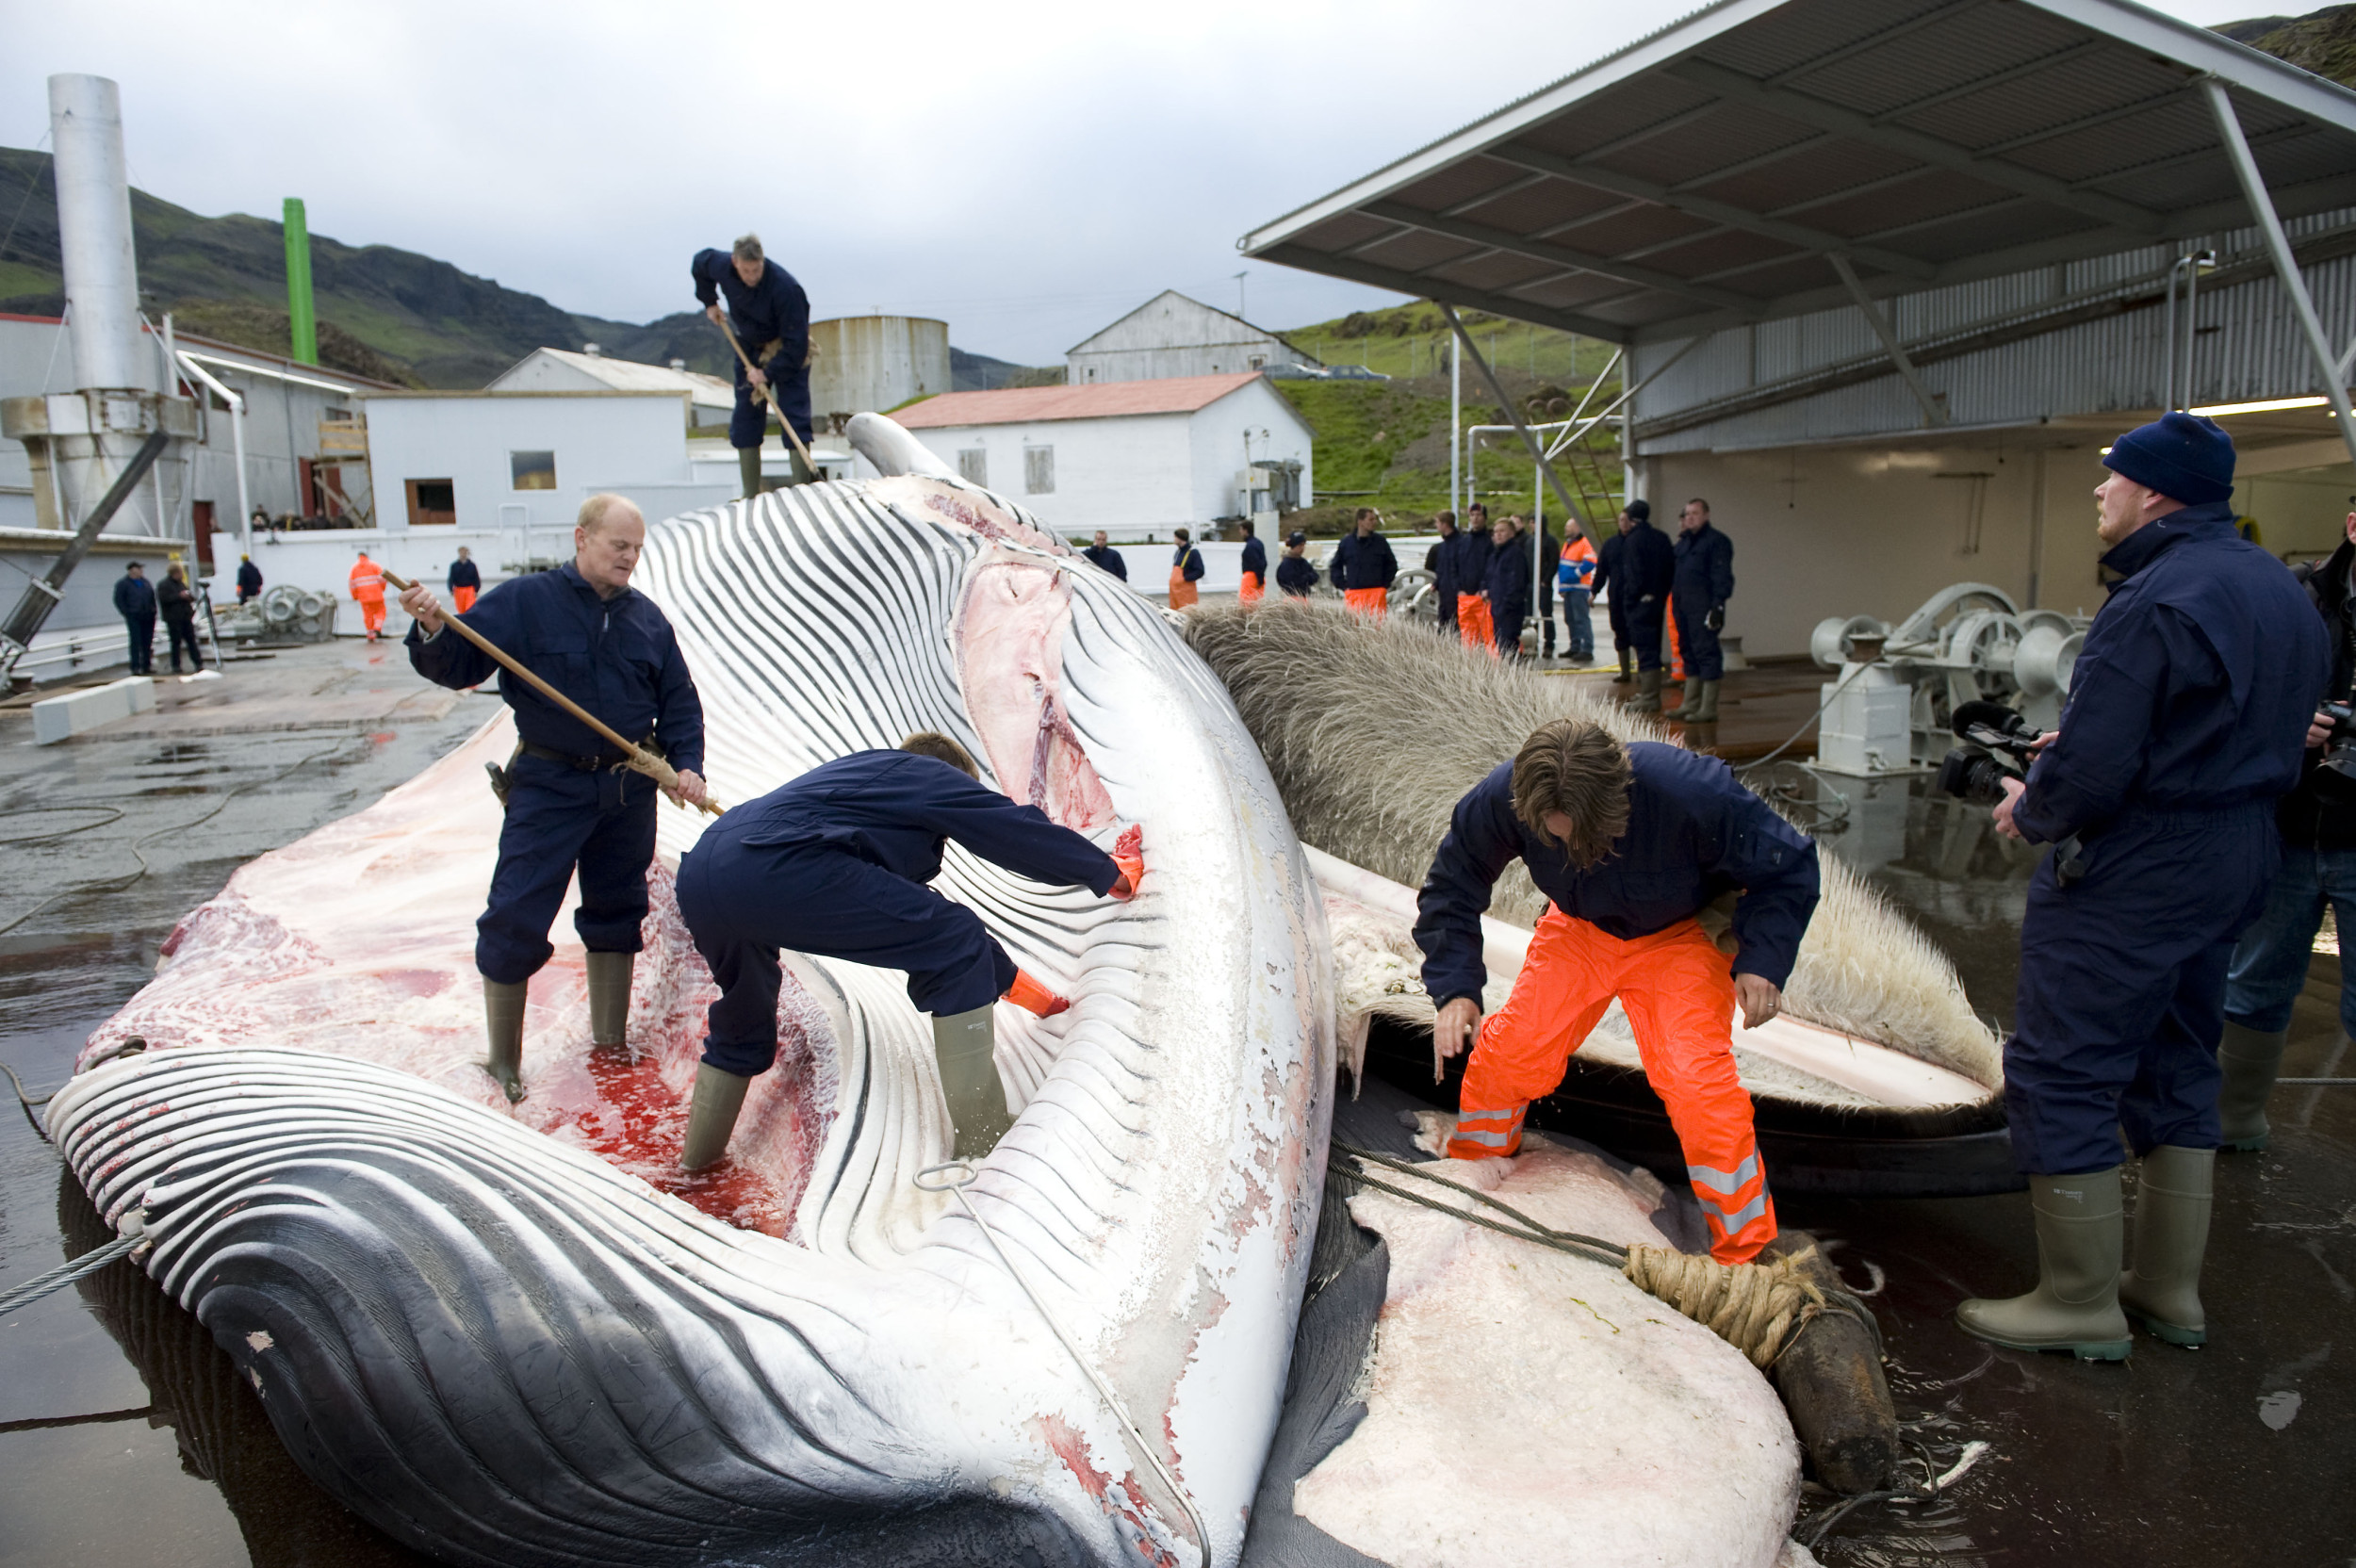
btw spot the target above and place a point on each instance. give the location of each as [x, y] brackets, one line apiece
[1720, 171]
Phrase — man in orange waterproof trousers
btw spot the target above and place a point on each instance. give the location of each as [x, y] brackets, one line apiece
[367, 586]
[1629, 843]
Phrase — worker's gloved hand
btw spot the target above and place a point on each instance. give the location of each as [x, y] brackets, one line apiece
[1716, 619]
[1129, 854]
[1032, 997]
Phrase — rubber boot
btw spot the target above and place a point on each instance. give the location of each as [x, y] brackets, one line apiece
[1690, 708]
[968, 1081]
[2163, 1291]
[1647, 697]
[609, 996]
[2251, 1059]
[1628, 669]
[2075, 1304]
[1707, 712]
[503, 1014]
[712, 1116]
[748, 470]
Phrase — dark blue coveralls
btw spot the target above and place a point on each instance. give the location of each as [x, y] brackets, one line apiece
[1507, 589]
[1610, 555]
[772, 321]
[1693, 834]
[1107, 559]
[465, 574]
[1649, 563]
[1440, 561]
[1704, 582]
[135, 601]
[1296, 576]
[2187, 719]
[835, 864]
[568, 801]
[249, 580]
[1365, 563]
[1255, 559]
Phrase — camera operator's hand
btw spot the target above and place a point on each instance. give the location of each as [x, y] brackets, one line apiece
[2318, 732]
[1761, 999]
[2014, 788]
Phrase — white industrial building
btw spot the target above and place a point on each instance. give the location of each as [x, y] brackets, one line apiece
[873, 364]
[1887, 280]
[711, 401]
[1171, 336]
[1134, 458]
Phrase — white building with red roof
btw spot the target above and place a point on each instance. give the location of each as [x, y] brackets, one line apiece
[1136, 458]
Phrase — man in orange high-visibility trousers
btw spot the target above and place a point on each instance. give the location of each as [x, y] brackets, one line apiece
[465, 581]
[1629, 843]
[367, 586]
[1254, 587]
[1471, 563]
[1186, 570]
[1364, 568]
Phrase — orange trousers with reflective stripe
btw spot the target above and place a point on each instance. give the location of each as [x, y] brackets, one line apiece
[461, 599]
[1474, 625]
[1375, 603]
[1679, 991]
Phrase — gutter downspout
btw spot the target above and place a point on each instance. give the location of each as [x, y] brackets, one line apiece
[236, 441]
[2285, 267]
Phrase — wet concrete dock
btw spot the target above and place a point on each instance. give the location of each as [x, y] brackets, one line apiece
[122, 1440]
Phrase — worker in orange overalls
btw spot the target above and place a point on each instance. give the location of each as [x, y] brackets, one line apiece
[1254, 587]
[1186, 570]
[367, 586]
[465, 581]
[1629, 843]
[1364, 568]
[1471, 563]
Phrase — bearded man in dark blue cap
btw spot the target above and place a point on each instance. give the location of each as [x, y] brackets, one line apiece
[2187, 719]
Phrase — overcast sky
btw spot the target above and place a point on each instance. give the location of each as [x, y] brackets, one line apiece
[1028, 171]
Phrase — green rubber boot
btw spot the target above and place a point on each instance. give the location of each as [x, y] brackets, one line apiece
[2075, 1304]
[748, 470]
[503, 1016]
[1690, 707]
[2172, 1200]
[712, 1116]
[969, 1081]
[1706, 711]
[2251, 1060]
[609, 996]
[1647, 697]
[1628, 669]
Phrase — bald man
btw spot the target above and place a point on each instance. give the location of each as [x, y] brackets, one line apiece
[570, 802]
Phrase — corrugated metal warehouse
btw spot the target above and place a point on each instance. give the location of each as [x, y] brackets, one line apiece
[1890, 275]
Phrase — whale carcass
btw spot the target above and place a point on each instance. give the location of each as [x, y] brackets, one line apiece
[521, 1338]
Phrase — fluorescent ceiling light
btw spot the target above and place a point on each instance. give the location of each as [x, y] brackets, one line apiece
[2269, 406]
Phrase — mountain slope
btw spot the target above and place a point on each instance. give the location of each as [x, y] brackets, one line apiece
[2322, 41]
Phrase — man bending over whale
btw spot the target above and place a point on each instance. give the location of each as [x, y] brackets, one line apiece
[1629, 844]
[835, 864]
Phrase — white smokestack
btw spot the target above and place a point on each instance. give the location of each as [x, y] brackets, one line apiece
[102, 277]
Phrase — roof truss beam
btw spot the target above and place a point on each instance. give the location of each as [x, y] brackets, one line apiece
[1558, 255]
[1787, 103]
[1708, 208]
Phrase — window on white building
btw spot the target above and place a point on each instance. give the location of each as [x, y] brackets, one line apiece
[1038, 471]
[533, 470]
[974, 465]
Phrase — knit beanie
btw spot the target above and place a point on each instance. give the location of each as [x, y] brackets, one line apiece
[2182, 456]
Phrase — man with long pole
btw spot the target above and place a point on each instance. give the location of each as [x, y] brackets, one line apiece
[767, 323]
[582, 658]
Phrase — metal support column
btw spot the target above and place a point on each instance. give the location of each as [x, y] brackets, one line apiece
[1890, 346]
[2285, 267]
[1521, 428]
[1455, 426]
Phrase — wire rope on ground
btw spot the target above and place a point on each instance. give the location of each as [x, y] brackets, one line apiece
[66, 1273]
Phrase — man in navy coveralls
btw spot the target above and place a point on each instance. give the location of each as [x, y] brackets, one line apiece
[771, 316]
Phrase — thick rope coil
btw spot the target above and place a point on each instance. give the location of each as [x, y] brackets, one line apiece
[1759, 1308]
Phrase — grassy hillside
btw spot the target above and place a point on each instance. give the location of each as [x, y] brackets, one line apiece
[1385, 443]
[2322, 41]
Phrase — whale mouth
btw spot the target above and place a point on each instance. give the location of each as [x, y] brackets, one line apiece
[515, 1336]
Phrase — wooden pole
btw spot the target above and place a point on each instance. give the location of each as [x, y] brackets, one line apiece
[791, 434]
[634, 756]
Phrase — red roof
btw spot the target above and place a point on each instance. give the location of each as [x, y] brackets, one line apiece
[1021, 405]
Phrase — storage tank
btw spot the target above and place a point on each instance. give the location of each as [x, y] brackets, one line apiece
[872, 364]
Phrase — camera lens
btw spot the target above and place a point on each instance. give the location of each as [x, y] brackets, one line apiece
[1973, 775]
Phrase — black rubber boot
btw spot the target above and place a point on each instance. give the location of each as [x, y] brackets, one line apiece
[964, 1043]
[2251, 1060]
[609, 996]
[2172, 1200]
[2075, 1304]
[503, 1016]
[712, 1116]
[1628, 669]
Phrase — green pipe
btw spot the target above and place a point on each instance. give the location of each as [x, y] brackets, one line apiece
[300, 324]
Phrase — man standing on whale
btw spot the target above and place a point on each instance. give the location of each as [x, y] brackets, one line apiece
[1630, 843]
[570, 802]
[836, 864]
[771, 314]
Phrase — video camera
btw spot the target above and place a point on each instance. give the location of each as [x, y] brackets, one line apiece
[1998, 742]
